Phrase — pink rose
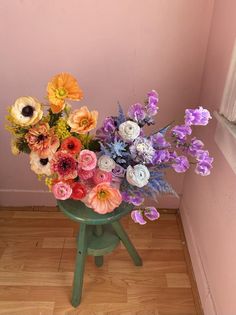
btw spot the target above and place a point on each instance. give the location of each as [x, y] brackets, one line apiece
[102, 176]
[85, 175]
[61, 191]
[87, 160]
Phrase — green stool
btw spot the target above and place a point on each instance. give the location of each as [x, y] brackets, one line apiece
[99, 234]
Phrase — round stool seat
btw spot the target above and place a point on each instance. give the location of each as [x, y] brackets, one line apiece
[78, 211]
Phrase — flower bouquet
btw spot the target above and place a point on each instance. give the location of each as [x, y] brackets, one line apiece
[118, 162]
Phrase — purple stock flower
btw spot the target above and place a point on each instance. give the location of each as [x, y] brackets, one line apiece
[158, 140]
[118, 171]
[137, 217]
[181, 132]
[151, 213]
[198, 116]
[137, 112]
[153, 100]
[195, 146]
[181, 164]
[142, 150]
[161, 156]
[109, 125]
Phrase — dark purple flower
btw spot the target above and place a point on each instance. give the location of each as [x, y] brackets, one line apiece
[161, 156]
[136, 200]
[195, 146]
[158, 140]
[198, 116]
[151, 213]
[181, 132]
[153, 100]
[181, 164]
[109, 125]
[118, 171]
[137, 112]
[137, 217]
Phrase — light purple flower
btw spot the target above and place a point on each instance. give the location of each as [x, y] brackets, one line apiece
[142, 150]
[181, 132]
[161, 156]
[181, 164]
[137, 217]
[151, 213]
[159, 141]
[136, 199]
[109, 125]
[198, 116]
[137, 112]
[118, 171]
[153, 100]
[203, 168]
[195, 146]
[203, 155]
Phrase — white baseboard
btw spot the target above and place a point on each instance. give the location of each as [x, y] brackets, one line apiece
[197, 263]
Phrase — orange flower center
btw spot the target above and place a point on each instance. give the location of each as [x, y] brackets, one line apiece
[61, 93]
[103, 195]
[84, 122]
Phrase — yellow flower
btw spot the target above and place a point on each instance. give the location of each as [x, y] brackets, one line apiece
[63, 86]
[61, 129]
[14, 148]
[82, 120]
[26, 111]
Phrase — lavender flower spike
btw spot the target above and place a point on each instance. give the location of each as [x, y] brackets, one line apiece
[198, 116]
[151, 213]
[137, 217]
[181, 164]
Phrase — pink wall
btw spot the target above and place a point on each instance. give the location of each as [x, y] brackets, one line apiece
[117, 49]
[208, 204]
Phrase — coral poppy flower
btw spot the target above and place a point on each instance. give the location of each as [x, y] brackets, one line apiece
[79, 191]
[71, 145]
[103, 198]
[82, 120]
[63, 86]
[42, 140]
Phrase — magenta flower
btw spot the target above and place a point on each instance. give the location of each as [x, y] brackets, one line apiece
[151, 213]
[61, 191]
[87, 160]
[181, 132]
[64, 164]
[198, 116]
[181, 164]
[137, 217]
[137, 112]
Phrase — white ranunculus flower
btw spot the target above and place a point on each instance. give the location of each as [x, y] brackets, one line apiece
[40, 166]
[105, 163]
[26, 111]
[137, 175]
[129, 130]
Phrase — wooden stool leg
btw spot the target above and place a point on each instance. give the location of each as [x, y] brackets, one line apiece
[98, 231]
[127, 243]
[79, 266]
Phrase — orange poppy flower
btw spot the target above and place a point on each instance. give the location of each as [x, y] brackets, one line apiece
[103, 198]
[82, 120]
[63, 86]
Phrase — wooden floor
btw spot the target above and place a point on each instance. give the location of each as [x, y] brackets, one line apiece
[37, 255]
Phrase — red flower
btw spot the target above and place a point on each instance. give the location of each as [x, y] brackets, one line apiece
[71, 145]
[64, 164]
[78, 191]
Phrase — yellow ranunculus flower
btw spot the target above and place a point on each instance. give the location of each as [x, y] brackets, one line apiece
[26, 111]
